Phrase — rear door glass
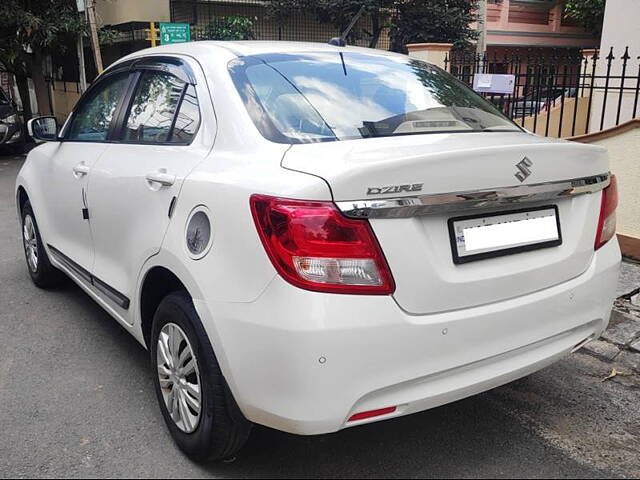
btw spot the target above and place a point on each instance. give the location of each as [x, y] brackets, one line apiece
[153, 108]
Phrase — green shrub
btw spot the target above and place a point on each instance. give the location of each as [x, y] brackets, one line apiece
[231, 28]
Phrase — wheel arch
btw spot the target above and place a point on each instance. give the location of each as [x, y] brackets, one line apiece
[22, 197]
[162, 274]
[158, 282]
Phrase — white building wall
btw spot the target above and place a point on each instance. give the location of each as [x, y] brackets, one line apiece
[621, 29]
[113, 12]
[623, 150]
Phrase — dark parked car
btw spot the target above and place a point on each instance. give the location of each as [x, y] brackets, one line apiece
[539, 101]
[11, 128]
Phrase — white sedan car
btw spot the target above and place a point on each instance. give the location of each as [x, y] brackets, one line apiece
[313, 237]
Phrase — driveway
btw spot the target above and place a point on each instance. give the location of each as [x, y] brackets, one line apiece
[77, 400]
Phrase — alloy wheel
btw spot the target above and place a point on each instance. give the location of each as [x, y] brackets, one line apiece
[179, 377]
[30, 241]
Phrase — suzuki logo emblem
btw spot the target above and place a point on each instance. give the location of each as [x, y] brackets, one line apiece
[523, 169]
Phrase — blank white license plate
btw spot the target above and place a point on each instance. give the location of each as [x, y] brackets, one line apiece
[477, 237]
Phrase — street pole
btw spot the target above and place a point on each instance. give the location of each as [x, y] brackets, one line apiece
[83, 72]
[481, 46]
[153, 35]
[95, 42]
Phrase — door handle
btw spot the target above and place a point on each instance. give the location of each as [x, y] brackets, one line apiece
[80, 170]
[162, 177]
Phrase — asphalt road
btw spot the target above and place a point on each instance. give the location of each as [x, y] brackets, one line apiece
[76, 400]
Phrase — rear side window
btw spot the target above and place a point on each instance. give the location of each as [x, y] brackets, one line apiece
[188, 118]
[164, 110]
[93, 118]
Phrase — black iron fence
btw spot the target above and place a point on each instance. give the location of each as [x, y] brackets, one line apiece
[565, 93]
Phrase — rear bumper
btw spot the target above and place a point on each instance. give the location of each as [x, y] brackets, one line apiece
[304, 362]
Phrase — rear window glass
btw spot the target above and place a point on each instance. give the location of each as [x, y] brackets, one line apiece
[300, 98]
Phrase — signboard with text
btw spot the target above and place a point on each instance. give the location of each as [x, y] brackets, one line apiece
[174, 33]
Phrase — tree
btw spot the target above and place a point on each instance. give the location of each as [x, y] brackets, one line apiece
[29, 30]
[439, 21]
[409, 20]
[230, 28]
[588, 13]
[337, 13]
[281, 10]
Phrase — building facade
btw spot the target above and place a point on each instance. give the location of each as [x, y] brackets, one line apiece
[536, 25]
[533, 24]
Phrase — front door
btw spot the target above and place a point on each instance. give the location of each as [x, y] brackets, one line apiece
[65, 194]
[134, 183]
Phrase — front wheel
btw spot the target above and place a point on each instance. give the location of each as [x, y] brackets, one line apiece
[43, 274]
[196, 403]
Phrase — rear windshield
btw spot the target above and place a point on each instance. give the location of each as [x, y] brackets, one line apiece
[317, 97]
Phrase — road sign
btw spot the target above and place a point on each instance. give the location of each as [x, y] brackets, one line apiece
[174, 33]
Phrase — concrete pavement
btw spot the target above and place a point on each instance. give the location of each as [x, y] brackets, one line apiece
[76, 400]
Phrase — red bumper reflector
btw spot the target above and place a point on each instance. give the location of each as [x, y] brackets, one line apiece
[371, 413]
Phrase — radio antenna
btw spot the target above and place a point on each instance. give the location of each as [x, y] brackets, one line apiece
[341, 41]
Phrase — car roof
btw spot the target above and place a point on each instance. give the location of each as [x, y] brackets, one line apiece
[257, 47]
[224, 50]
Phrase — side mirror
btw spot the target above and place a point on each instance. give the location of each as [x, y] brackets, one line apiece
[44, 129]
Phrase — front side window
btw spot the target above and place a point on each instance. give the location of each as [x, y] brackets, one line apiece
[328, 96]
[164, 110]
[92, 120]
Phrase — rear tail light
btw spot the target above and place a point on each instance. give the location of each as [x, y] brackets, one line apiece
[313, 246]
[607, 221]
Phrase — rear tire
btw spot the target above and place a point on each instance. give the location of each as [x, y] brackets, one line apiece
[220, 429]
[42, 273]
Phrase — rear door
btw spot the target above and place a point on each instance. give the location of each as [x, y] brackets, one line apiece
[163, 136]
[415, 171]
